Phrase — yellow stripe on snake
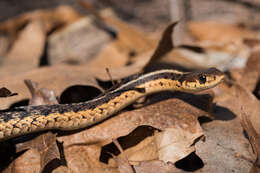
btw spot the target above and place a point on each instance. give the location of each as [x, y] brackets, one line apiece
[24, 120]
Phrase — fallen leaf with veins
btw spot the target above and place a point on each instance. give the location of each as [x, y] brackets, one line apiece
[43, 149]
[224, 140]
[29, 162]
[173, 140]
[83, 150]
[40, 151]
[244, 98]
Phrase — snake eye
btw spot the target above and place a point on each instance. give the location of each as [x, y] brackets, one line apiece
[203, 79]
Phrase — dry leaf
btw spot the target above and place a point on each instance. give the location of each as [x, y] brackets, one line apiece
[40, 96]
[4, 45]
[57, 77]
[250, 74]
[166, 43]
[243, 98]
[254, 139]
[62, 169]
[156, 166]
[51, 18]
[82, 150]
[123, 165]
[224, 139]
[215, 31]
[109, 57]
[129, 39]
[176, 143]
[124, 71]
[40, 152]
[77, 43]
[143, 59]
[26, 51]
[29, 162]
[122, 161]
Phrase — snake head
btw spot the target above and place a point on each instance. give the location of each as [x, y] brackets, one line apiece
[201, 80]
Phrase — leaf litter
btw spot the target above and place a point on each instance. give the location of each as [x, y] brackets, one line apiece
[164, 132]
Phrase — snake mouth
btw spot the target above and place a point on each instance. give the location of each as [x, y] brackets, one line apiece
[197, 86]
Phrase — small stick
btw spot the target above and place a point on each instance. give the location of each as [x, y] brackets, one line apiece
[110, 76]
[129, 167]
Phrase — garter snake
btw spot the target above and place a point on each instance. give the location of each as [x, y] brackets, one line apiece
[24, 120]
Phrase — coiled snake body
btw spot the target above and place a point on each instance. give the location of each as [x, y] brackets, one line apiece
[23, 120]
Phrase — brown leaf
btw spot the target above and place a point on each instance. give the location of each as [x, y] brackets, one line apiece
[122, 162]
[51, 18]
[254, 139]
[129, 39]
[123, 165]
[121, 72]
[144, 57]
[29, 162]
[62, 169]
[215, 31]
[224, 140]
[26, 51]
[40, 96]
[166, 43]
[77, 43]
[4, 45]
[40, 151]
[82, 150]
[252, 42]
[176, 143]
[244, 98]
[130, 47]
[57, 77]
[109, 57]
[227, 131]
[250, 73]
[156, 166]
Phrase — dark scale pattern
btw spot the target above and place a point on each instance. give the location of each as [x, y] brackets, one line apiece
[22, 112]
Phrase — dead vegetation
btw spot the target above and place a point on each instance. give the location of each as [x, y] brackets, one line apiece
[63, 56]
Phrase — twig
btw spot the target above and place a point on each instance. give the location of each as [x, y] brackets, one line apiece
[110, 76]
[125, 160]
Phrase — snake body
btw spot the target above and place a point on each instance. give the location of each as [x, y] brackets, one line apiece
[24, 120]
